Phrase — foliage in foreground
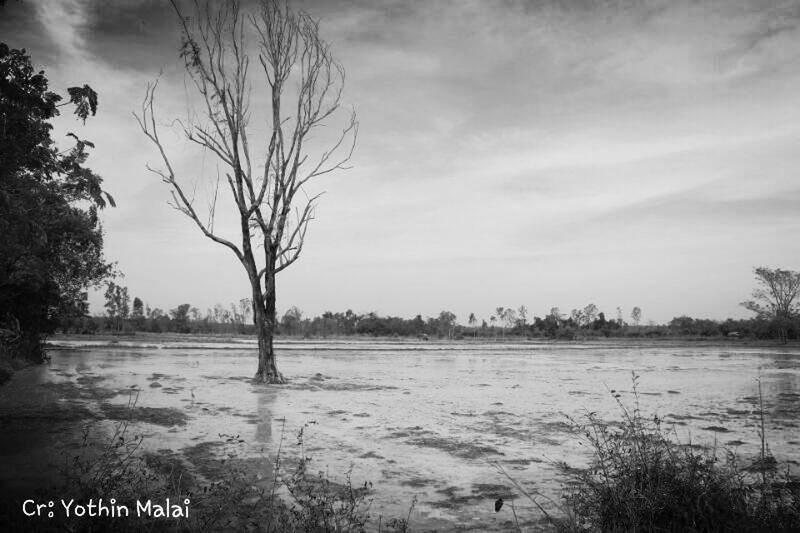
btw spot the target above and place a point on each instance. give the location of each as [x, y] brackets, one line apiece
[642, 479]
[229, 493]
[51, 241]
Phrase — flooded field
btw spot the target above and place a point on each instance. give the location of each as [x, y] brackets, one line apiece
[419, 420]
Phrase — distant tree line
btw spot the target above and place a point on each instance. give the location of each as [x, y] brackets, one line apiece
[512, 326]
[774, 302]
[123, 315]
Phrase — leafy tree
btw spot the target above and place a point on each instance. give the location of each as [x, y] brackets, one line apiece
[125, 304]
[501, 317]
[117, 304]
[600, 322]
[636, 315]
[219, 314]
[138, 313]
[51, 242]
[776, 297]
[590, 314]
[291, 320]
[523, 316]
[180, 316]
[418, 325]
[510, 318]
[246, 307]
[447, 323]
[138, 308]
[550, 325]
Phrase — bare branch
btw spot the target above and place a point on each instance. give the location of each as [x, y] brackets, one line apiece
[147, 123]
[216, 57]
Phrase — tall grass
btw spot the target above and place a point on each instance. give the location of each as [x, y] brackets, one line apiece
[641, 478]
[288, 497]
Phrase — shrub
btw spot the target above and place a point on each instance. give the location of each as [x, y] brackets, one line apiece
[642, 479]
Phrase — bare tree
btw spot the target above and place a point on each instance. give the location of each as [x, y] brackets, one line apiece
[266, 189]
[775, 297]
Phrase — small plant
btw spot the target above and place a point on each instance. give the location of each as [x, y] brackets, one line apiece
[319, 504]
[104, 465]
[398, 525]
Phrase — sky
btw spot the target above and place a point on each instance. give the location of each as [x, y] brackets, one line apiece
[546, 153]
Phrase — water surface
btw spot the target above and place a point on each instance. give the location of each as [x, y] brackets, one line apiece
[423, 420]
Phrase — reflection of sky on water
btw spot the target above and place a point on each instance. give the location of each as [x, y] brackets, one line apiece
[431, 422]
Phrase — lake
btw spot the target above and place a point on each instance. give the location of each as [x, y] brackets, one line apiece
[430, 421]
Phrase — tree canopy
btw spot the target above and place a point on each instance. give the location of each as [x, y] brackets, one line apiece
[776, 297]
[51, 241]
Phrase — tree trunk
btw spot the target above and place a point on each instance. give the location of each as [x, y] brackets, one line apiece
[264, 319]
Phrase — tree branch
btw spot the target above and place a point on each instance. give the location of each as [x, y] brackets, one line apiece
[147, 123]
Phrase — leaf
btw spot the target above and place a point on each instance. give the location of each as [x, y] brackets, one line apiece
[85, 100]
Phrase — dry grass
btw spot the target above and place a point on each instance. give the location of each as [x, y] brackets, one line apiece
[641, 478]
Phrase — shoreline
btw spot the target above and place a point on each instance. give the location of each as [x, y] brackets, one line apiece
[603, 342]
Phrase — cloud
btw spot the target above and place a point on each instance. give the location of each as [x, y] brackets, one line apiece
[509, 152]
[129, 35]
[21, 27]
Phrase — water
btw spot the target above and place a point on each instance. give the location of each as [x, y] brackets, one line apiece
[425, 420]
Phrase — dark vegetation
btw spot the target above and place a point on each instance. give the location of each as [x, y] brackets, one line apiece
[642, 478]
[51, 241]
[124, 316]
[226, 491]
